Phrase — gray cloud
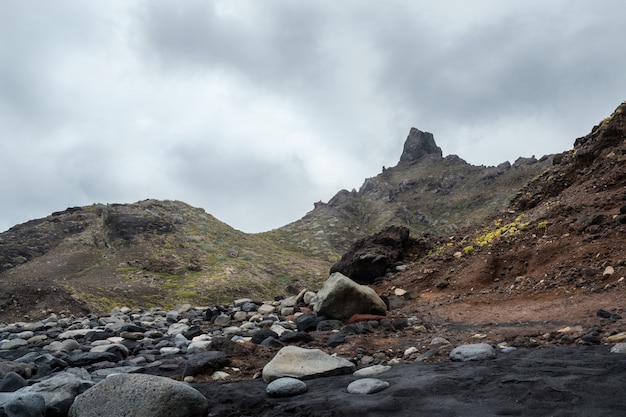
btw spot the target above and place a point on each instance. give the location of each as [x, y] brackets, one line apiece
[254, 110]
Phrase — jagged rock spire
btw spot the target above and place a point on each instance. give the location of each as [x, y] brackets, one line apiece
[417, 145]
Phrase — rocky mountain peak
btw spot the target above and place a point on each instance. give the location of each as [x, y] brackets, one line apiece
[417, 145]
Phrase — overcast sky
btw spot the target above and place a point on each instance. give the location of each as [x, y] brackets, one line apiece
[256, 109]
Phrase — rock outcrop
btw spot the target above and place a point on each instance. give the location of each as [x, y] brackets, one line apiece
[417, 145]
[374, 256]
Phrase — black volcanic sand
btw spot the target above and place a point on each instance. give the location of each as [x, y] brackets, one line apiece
[558, 381]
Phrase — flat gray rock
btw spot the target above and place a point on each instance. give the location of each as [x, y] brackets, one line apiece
[371, 371]
[297, 362]
[473, 352]
[367, 386]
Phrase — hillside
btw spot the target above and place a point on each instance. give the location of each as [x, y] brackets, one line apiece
[491, 242]
[424, 192]
[142, 254]
[549, 269]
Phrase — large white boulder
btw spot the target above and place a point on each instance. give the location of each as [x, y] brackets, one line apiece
[301, 363]
[341, 298]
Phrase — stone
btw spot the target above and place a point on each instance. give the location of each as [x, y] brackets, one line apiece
[72, 334]
[119, 350]
[336, 340]
[63, 346]
[616, 338]
[220, 376]
[308, 297]
[26, 370]
[12, 382]
[340, 298]
[15, 404]
[328, 325]
[177, 328]
[172, 316]
[59, 391]
[356, 318]
[399, 291]
[13, 344]
[205, 363]
[169, 351]
[371, 371]
[301, 363]
[266, 309]
[272, 342]
[473, 352]
[289, 302]
[240, 316]
[103, 373]
[199, 346]
[286, 387]
[399, 323]
[306, 322]
[139, 395]
[222, 320]
[608, 271]
[262, 334]
[249, 307]
[367, 386]
[409, 351]
[241, 301]
[295, 337]
[81, 359]
[619, 348]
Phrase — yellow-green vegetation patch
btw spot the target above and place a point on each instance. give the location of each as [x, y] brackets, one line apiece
[510, 229]
[469, 250]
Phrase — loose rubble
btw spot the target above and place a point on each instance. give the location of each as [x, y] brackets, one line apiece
[142, 362]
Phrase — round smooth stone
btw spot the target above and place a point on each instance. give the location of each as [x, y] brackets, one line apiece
[286, 387]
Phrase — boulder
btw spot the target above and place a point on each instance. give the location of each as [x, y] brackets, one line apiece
[140, 395]
[14, 404]
[341, 298]
[373, 256]
[59, 391]
[297, 362]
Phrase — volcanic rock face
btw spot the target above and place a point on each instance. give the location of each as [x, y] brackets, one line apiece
[417, 145]
[372, 257]
[424, 192]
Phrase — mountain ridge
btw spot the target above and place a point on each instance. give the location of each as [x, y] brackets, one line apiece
[423, 192]
[166, 252]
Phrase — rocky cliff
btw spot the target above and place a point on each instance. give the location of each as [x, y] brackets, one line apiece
[424, 192]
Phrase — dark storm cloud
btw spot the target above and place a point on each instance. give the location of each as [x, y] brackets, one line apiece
[522, 64]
